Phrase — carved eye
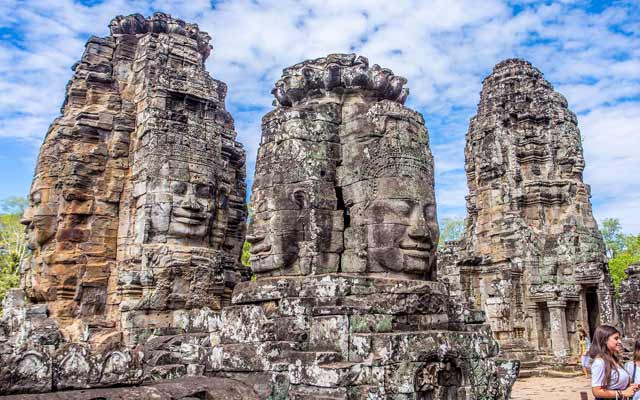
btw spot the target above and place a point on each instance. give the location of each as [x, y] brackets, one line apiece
[400, 208]
[179, 187]
[299, 199]
[36, 198]
[203, 190]
[429, 211]
[223, 202]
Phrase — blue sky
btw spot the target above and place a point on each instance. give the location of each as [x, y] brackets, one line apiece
[589, 50]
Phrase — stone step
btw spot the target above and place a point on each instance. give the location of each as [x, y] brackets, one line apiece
[547, 371]
[529, 372]
[529, 364]
[562, 374]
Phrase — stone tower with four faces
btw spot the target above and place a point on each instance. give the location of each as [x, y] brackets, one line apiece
[136, 214]
[343, 239]
[531, 255]
[344, 176]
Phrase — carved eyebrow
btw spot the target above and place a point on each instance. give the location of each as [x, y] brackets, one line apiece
[398, 205]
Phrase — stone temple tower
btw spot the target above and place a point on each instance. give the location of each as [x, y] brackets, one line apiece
[345, 304]
[531, 255]
[136, 213]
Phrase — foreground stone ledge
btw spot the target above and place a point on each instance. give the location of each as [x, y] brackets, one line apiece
[183, 388]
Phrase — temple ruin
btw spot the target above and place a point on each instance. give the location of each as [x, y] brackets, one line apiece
[136, 217]
[345, 303]
[629, 300]
[531, 256]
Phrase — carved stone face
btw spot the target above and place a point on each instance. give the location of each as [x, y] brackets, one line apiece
[402, 231]
[183, 207]
[40, 217]
[278, 228]
[183, 279]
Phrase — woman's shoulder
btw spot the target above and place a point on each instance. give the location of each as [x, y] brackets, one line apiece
[598, 361]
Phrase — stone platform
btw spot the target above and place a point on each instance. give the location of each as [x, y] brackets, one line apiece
[350, 337]
[185, 389]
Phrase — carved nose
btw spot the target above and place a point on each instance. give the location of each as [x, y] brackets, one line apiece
[27, 217]
[256, 238]
[418, 230]
[418, 233]
[191, 205]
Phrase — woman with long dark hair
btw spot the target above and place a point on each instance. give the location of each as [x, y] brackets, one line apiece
[609, 379]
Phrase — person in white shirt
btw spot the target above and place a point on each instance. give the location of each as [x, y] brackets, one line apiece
[609, 380]
[633, 367]
[585, 344]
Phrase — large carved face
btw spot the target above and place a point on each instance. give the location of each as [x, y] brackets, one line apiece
[401, 226]
[279, 227]
[183, 207]
[41, 217]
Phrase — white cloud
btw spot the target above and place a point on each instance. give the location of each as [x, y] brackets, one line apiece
[444, 48]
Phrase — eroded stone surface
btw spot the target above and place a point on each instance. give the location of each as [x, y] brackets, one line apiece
[344, 176]
[345, 304]
[136, 217]
[531, 255]
[630, 302]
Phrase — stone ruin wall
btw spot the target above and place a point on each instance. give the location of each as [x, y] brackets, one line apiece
[531, 255]
[137, 217]
[629, 301]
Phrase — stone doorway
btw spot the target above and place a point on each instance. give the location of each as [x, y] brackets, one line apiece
[593, 309]
[544, 340]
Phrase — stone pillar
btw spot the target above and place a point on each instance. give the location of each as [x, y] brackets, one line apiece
[559, 339]
[606, 303]
[630, 302]
[534, 325]
[583, 314]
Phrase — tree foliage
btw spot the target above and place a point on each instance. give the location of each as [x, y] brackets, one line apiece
[451, 229]
[614, 239]
[13, 249]
[628, 254]
[245, 258]
[14, 205]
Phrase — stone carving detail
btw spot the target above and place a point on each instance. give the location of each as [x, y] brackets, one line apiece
[531, 248]
[344, 176]
[136, 216]
[343, 248]
[629, 302]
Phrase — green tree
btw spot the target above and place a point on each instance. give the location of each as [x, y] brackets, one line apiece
[614, 239]
[14, 205]
[245, 258]
[451, 229]
[626, 255]
[13, 249]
